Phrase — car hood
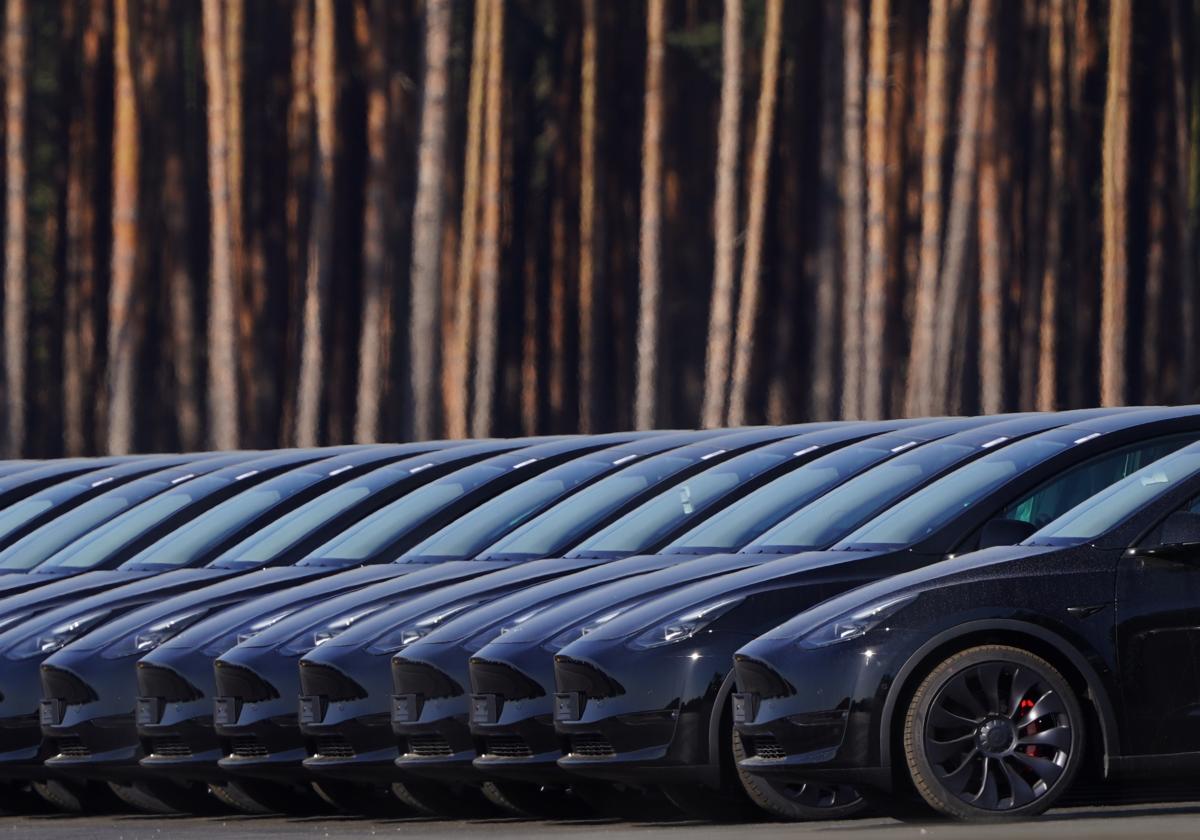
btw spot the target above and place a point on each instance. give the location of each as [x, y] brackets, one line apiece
[118, 591]
[990, 562]
[232, 587]
[15, 583]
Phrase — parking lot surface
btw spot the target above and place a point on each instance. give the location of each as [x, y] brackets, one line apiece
[1146, 822]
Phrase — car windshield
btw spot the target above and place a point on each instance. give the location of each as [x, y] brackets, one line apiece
[643, 528]
[1116, 503]
[473, 532]
[750, 516]
[936, 504]
[49, 538]
[834, 515]
[190, 543]
[567, 522]
[93, 548]
[390, 523]
[269, 542]
[21, 513]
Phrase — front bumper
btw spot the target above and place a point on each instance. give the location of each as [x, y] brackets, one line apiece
[430, 716]
[22, 750]
[174, 715]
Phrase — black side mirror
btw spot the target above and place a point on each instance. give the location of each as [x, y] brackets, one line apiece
[1181, 528]
[1005, 532]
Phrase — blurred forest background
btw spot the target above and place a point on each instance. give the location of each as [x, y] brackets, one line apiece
[263, 222]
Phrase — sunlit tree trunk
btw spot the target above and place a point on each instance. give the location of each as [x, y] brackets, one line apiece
[875, 285]
[590, 243]
[320, 246]
[920, 359]
[1047, 378]
[458, 346]
[991, 291]
[371, 32]
[222, 334]
[122, 329]
[853, 228]
[1115, 207]
[764, 132]
[16, 40]
[245, 325]
[725, 221]
[960, 219]
[489, 223]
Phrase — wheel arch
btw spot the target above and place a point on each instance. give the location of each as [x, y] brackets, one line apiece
[1051, 646]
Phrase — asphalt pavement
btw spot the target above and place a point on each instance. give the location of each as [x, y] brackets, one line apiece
[1144, 822]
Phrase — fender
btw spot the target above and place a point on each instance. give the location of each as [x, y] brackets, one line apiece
[1099, 695]
[714, 722]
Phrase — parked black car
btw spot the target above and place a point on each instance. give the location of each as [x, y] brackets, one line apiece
[646, 696]
[982, 685]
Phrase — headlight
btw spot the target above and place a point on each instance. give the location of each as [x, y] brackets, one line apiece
[150, 636]
[54, 638]
[247, 631]
[322, 633]
[684, 626]
[578, 631]
[853, 625]
[400, 637]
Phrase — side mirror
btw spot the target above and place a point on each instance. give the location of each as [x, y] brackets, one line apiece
[1181, 528]
[1005, 532]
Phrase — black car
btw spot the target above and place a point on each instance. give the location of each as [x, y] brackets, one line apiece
[260, 748]
[981, 686]
[646, 696]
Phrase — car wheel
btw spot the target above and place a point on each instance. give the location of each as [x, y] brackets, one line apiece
[624, 802]
[75, 798]
[254, 796]
[166, 797]
[797, 801]
[994, 732]
[522, 799]
[363, 800]
[436, 800]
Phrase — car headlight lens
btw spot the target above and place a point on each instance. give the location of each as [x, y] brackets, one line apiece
[404, 636]
[322, 633]
[685, 626]
[855, 624]
[48, 640]
[150, 636]
[247, 631]
[578, 631]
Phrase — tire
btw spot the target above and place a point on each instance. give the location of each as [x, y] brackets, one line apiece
[699, 802]
[797, 801]
[255, 796]
[443, 801]
[361, 799]
[21, 798]
[993, 733]
[625, 803]
[529, 801]
[75, 798]
[155, 796]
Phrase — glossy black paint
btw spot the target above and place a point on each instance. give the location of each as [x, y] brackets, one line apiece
[656, 715]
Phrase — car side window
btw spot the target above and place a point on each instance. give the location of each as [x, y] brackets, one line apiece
[1061, 493]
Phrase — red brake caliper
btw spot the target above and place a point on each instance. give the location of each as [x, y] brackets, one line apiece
[1024, 706]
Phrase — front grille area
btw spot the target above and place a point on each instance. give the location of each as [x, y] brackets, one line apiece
[242, 683]
[155, 681]
[66, 686]
[409, 677]
[763, 746]
[330, 682]
[754, 677]
[573, 675]
[247, 746]
[334, 746]
[508, 746]
[489, 677]
[169, 746]
[591, 745]
[72, 747]
[427, 746]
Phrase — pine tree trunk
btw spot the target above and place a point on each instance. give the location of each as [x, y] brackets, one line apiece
[991, 259]
[222, 335]
[920, 359]
[1115, 207]
[590, 243]
[764, 132]
[122, 329]
[1047, 378]
[372, 33]
[458, 348]
[875, 283]
[1184, 208]
[960, 218]
[725, 221]
[246, 326]
[16, 41]
[487, 325]
[853, 224]
[650, 233]
[320, 245]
